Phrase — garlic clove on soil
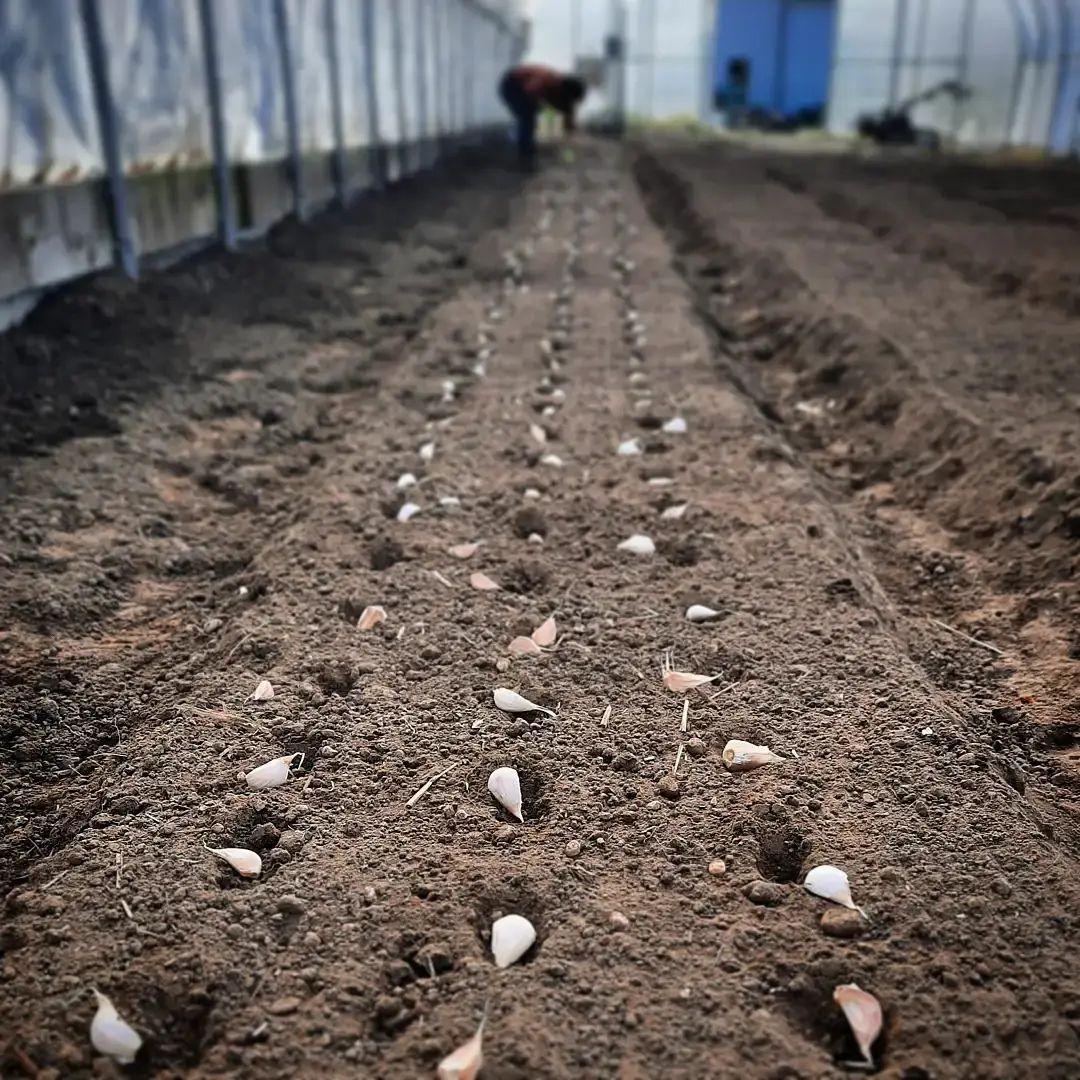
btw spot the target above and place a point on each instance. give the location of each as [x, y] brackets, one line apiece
[427, 451]
[546, 632]
[742, 756]
[408, 510]
[525, 646]
[638, 544]
[698, 613]
[831, 883]
[406, 480]
[512, 702]
[466, 1061]
[552, 460]
[673, 513]
[482, 582]
[246, 863]
[463, 551]
[675, 426]
[531, 493]
[538, 433]
[370, 617]
[111, 1035]
[273, 774]
[681, 682]
[512, 937]
[863, 1014]
[505, 785]
[628, 448]
[263, 692]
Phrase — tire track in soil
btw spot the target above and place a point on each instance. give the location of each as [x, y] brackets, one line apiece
[380, 966]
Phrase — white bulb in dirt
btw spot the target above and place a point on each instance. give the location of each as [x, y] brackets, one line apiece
[628, 448]
[272, 774]
[245, 863]
[505, 785]
[466, 1061]
[700, 613]
[831, 883]
[407, 511]
[552, 461]
[406, 480]
[638, 544]
[512, 702]
[546, 632]
[263, 692]
[742, 756]
[864, 1016]
[370, 617]
[112, 1036]
[427, 451]
[673, 513]
[675, 426]
[512, 937]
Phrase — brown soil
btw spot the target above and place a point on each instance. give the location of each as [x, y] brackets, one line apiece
[201, 493]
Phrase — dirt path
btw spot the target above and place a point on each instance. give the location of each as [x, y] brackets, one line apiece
[229, 510]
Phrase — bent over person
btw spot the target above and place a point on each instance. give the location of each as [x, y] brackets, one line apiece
[527, 89]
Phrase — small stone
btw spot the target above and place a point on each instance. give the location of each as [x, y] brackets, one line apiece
[717, 867]
[264, 836]
[291, 905]
[573, 848]
[502, 664]
[766, 893]
[843, 923]
[519, 728]
[695, 747]
[292, 840]
[618, 921]
[505, 833]
[1001, 886]
[234, 931]
[312, 940]
[668, 787]
[283, 1006]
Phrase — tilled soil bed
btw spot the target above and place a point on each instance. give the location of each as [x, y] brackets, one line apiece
[205, 478]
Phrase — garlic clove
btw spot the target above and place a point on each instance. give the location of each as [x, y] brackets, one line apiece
[466, 1061]
[535, 538]
[673, 513]
[263, 692]
[482, 582]
[628, 448]
[675, 426]
[552, 460]
[538, 434]
[700, 613]
[406, 480]
[463, 551]
[546, 632]
[112, 1036]
[512, 937]
[370, 617]
[831, 883]
[449, 500]
[512, 702]
[863, 1014]
[531, 493]
[525, 646]
[680, 682]
[505, 785]
[638, 544]
[273, 774]
[427, 451]
[245, 863]
[742, 756]
[660, 481]
[408, 510]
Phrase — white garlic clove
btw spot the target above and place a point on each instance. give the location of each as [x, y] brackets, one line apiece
[512, 702]
[505, 785]
[406, 480]
[546, 632]
[273, 774]
[449, 500]
[525, 646]
[408, 510]
[675, 426]
[628, 448]
[831, 883]
[638, 544]
[111, 1035]
[263, 692]
[466, 1061]
[482, 582]
[700, 613]
[660, 481]
[864, 1016]
[463, 551]
[531, 493]
[673, 513]
[552, 460]
[512, 937]
[427, 451]
[370, 617]
[245, 863]
[680, 682]
[538, 433]
[742, 756]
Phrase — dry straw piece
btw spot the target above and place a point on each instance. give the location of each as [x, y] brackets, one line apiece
[742, 756]
[111, 1035]
[512, 937]
[864, 1017]
[482, 582]
[263, 692]
[831, 883]
[370, 617]
[466, 1061]
[512, 702]
[638, 544]
[505, 786]
[246, 863]
[273, 774]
